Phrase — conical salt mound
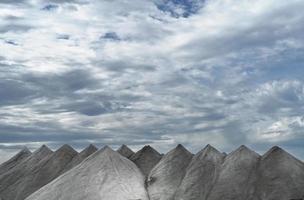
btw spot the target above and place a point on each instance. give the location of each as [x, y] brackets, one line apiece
[166, 176]
[201, 174]
[14, 161]
[44, 171]
[146, 159]
[80, 157]
[12, 182]
[105, 175]
[125, 151]
[238, 176]
[42, 152]
[281, 176]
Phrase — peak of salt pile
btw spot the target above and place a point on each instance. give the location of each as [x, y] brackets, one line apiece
[281, 176]
[105, 175]
[125, 151]
[13, 183]
[146, 159]
[81, 156]
[15, 160]
[201, 174]
[166, 176]
[42, 151]
[237, 176]
[45, 171]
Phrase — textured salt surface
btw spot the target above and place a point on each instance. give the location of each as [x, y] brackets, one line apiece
[201, 175]
[14, 182]
[105, 175]
[167, 175]
[80, 157]
[15, 160]
[146, 159]
[281, 176]
[237, 177]
[125, 151]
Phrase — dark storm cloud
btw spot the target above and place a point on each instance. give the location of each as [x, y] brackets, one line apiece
[11, 134]
[28, 86]
[92, 108]
[50, 7]
[18, 28]
[11, 147]
[63, 89]
[13, 1]
[12, 18]
[62, 84]
[11, 42]
[67, 1]
[120, 66]
[15, 92]
[63, 37]
[110, 36]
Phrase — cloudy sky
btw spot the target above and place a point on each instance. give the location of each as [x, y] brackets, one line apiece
[158, 72]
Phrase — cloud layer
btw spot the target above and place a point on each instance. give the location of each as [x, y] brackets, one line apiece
[156, 72]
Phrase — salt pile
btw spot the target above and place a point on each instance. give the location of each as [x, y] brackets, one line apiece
[105, 175]
[147, 175]
[13, 183]
[237, 176]
[167, 175]
[80, 157]
[15, 160]
[146, 159]
[125, 151]
[281, 176]
[201, 175]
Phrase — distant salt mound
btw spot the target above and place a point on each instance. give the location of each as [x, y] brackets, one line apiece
[46, 171]
[80, 157]
[237, 177]
[281, 176]
[201, 175]
[146, 159]
[13, 182]
[166, 176]
[15, 160]
[125, 151]
[105, 175]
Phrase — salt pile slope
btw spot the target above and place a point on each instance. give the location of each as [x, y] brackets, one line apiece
[201, 175]
[11, 182]
[105, 175]
[80, 157]
[166, 176]
[146, 159]
[281, 176]
[125, 151]
[15, 160]
[44, 172]
[237, 177]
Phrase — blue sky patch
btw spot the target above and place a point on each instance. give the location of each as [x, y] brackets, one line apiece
[180, 8]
